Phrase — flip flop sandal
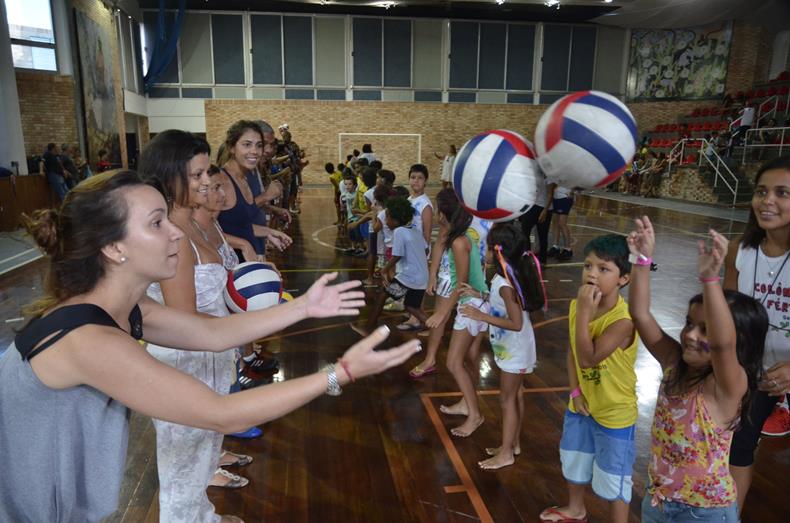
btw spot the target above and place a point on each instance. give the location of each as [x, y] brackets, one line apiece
[417, 373]
[554, 511]
[234, 480]
[241, 459]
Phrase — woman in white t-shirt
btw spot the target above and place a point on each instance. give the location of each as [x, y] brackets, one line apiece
[758, 264]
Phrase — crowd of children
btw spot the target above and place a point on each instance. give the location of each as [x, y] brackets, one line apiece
[711, 376]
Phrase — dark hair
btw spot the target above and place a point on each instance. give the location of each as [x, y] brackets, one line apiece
[510, 239]
[613, 248]
[356, 152]
[329, 167]
[751, 327]
[366, 148]
[348, 172]
[349, 156]
[400, 190]
[50, 146]
[382, 193]
[93, 215]
[163, 163]
[419, 168]
[377, 164]
[239, 128]
[213, 169]
[447, 204]
[352, 178]
[400, 209]
[265, 127]
[361, 161]
[387, 176]
[369, 176]
[753, 234]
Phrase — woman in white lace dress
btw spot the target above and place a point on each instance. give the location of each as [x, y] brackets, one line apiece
[187, 458]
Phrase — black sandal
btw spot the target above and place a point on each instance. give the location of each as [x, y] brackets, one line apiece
[263, 365]
[245, 382]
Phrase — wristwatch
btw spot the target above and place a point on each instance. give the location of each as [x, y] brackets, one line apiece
[332, 385]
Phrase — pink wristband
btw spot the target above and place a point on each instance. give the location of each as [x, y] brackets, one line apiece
[575, 393]
[712, 279]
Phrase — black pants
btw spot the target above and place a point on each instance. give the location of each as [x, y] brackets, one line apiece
[745, 439]
[529, 220]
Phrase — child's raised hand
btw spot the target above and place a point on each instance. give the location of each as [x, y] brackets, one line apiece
[642, 240]
[711, 258]
[588, 299]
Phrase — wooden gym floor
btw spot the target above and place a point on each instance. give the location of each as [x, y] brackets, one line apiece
[382, 452]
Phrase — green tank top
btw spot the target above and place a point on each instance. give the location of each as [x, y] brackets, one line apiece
[477, 279]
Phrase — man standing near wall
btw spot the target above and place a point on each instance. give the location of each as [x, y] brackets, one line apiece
[51, 167]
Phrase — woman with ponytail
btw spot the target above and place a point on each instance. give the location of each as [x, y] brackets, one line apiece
[516, 290]
[74, 371]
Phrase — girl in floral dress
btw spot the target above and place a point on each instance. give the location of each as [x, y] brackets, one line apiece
[709, 377]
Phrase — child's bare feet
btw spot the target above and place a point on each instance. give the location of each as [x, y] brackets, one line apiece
[502, 459]
[466, 429]
[493, 451]
[456, 409]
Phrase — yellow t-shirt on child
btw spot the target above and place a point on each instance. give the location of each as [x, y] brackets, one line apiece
[610, 386]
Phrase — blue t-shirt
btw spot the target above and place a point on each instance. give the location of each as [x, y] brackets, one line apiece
[412, 268]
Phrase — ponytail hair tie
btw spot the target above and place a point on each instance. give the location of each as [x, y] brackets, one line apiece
[540, 277]
[510, 275]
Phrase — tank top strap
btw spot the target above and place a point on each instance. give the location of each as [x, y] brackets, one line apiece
[221, 234]
[66, 319]
[196, 251]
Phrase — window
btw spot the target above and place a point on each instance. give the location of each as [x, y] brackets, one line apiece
[32, 35]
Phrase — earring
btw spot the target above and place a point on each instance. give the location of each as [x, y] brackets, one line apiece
[123, 259]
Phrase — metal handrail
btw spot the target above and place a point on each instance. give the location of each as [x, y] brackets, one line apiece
[758, 112]
[752, 132]
[716, 162]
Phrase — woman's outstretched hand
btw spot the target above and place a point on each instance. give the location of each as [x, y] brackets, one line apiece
[323, 300]
[362, 360]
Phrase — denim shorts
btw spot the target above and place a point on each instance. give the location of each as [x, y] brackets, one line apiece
[592, 453]
[682, 513]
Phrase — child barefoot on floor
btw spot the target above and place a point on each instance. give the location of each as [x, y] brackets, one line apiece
[709, 377]
[597, 444]
[516, 289]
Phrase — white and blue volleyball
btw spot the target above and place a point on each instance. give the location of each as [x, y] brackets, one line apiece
[252, 286]
[495, 175]
[585, 139]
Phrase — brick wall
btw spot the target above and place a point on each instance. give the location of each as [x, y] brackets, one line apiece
[144, 135]
[47, 108]
[317, 126]
[750, 56]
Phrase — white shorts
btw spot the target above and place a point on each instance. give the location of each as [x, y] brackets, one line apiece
[462, 322]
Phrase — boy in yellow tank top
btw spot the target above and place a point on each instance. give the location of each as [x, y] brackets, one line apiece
[597, 445]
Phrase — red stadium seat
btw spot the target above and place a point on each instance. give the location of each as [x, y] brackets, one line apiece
[750, 93]
[781, 106]
[707, 126]
[705, 111]
[760, 93]
[739, 94]
[784, 90]
[674, 127]
[771, 91]
[715, 111]
[695, 112]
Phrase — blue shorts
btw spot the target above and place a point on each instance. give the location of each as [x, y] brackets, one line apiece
[364, 230]
[682, 513]
[561, 205]
[590, 452]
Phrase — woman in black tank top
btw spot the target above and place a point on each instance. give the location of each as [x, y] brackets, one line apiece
[109, 240]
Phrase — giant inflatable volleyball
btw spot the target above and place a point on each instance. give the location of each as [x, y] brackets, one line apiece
[252, 286]
[585, 139]
[494, 175]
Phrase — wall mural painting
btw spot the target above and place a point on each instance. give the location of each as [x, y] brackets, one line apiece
[679, 63]
[98, 91]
